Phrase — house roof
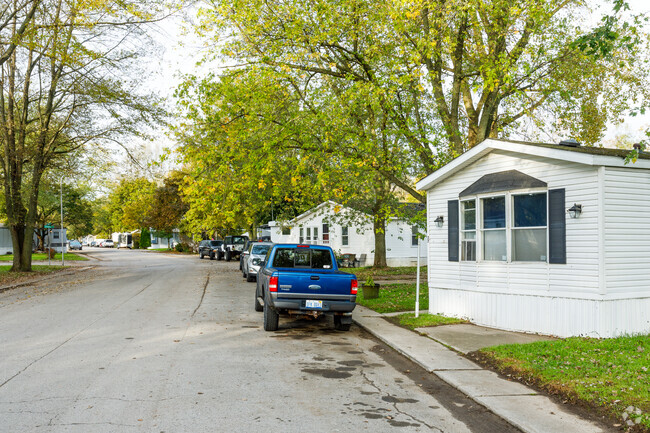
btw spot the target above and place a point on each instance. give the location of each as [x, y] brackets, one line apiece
[594, 156]
[502, 181]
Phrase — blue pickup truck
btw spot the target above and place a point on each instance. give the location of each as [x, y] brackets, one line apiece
[304, 279]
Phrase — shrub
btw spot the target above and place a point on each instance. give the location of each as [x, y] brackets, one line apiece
[182, 247]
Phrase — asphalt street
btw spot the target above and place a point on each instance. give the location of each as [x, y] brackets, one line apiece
[168, 343]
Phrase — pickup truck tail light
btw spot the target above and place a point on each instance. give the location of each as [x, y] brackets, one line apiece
[354, 287]
[273, 284]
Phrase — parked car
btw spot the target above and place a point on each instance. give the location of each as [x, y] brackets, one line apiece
[256, 254]
[232, 247]
[75, 245]
[108, 243]
[304, 279]
[209, 248]
[244, 254]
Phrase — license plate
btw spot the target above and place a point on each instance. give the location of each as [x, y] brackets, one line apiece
[313, 304]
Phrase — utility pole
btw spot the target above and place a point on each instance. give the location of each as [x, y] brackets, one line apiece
[61, 235]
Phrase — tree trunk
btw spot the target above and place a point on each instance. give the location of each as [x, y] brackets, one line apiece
[379, 227]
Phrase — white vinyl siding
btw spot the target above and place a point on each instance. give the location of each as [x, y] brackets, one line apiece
[627, 230]
[579, 275]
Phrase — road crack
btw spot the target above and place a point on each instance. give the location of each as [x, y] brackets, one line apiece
[395, 400]
[205, 287]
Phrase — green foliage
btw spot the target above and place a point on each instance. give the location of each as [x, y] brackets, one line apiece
[130, 202]
[145, 238]
[167, 206]
[182, 247]
[609, 373]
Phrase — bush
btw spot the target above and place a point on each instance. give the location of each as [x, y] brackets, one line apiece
[182, 247]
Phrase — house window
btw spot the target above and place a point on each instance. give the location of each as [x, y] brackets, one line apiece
[326, 233]
[55, 235]
[414, 236]
[494, 228]
[468, 230]
[286, 231]
[302, 236]
[511, 227]
[315, 235]
[344, 236]
[308, 239]
[529, 227]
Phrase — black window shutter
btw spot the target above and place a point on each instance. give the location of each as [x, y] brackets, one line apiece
[556, 226]
[452, 230]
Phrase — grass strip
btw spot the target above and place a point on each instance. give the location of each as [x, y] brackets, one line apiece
[611, 375]
[395, 297]
[408, 320]
[42, 256]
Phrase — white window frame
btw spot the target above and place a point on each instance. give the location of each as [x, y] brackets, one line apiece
[462, 232]
[345, 236]
[302, 236]
[509, 211]
[415, 232]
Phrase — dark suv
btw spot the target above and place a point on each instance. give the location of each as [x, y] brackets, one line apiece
[209, 248]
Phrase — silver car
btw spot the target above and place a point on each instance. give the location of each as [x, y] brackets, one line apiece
[252, 263]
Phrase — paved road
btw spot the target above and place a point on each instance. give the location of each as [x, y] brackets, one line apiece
[167, 343]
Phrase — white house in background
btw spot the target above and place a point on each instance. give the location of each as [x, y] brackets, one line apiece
[324, 225]
[510, 253]
[162, 242]
[6, 243]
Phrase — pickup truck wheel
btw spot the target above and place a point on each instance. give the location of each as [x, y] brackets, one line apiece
[219, 255]
[271, 318]
[211, 256]
[200, 255]
[228, 257]
[340, 326]
[250, 278]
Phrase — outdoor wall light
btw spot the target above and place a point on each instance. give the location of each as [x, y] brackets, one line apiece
[439, 221]
[575, 210]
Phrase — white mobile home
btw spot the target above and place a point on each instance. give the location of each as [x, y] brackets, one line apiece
[542, 238]
[350, 232]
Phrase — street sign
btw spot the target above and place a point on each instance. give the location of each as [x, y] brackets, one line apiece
[49, 226]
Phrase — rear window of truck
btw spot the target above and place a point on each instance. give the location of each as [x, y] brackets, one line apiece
[302, 258]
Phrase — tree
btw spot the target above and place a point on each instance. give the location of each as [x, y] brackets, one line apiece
[62, 89]
[442, 77]
[130, 203]
[255, 141]
[167, 207]
[145, 238]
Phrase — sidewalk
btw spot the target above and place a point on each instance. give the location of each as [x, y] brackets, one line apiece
[523, 407]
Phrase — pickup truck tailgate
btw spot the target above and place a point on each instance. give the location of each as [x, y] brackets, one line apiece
[315, 284]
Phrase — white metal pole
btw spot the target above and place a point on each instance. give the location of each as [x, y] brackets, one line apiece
[417, 284]
[49, 246]
[61, 233]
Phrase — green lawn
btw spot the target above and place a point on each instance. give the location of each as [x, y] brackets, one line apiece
[609, 374]
[395, 297]
[408, 320]
[42, 256]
